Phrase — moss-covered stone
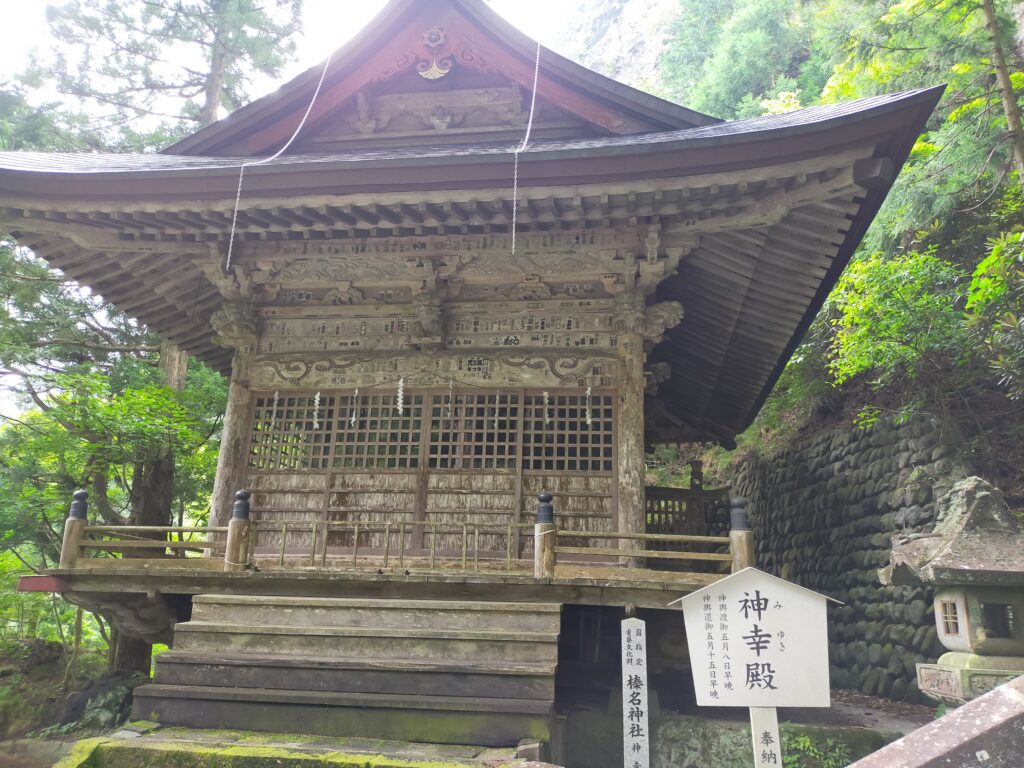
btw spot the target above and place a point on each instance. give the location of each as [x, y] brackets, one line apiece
[593, 740]
[115, 753]
[81, 754]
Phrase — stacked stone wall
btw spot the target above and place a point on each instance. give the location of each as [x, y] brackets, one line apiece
[823, 514]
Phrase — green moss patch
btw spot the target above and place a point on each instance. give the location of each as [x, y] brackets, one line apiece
[131, 753]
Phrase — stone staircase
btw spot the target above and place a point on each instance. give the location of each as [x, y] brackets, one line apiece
[416, 670]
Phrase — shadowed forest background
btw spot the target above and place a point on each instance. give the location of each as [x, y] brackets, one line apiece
[928, 319]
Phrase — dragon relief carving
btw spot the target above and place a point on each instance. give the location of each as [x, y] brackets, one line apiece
[236, 325]
[420, 368]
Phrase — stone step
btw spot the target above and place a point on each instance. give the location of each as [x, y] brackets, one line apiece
[431, 719]
[389, 676]
[366, 642]
[381, 613]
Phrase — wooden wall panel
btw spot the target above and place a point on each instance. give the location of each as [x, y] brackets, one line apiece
[475, 464]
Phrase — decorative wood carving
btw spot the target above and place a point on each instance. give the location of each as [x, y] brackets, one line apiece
[237, 325]
[430, 323]
[434, 39]
[658, 318]
[628, 312]
[467, 369]
[144, 616]
[531, 288]
[656, 375]
[438, 111]
[630, 315]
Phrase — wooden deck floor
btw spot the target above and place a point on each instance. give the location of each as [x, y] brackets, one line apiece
[591, 584]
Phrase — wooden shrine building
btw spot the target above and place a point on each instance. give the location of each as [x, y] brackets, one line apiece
[423, 332]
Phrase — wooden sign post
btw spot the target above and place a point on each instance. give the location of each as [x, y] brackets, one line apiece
[761, 642]
[636, 742]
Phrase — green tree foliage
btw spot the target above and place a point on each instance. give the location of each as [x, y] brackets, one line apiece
[27, 127]
[965, 155]
[150, 71]
[930, 314]
[896, 315]
[78, 363]
[90, 402]
[87, 404]
[731, 58]
[996, 300]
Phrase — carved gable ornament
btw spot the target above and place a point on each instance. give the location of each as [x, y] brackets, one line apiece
[434, 39]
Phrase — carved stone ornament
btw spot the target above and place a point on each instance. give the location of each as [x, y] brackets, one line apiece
[435, 69]
[659, 318]
[236, 325]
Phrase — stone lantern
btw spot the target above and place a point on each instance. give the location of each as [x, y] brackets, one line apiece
[974, 559]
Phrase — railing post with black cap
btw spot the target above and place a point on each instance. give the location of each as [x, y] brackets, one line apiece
[236, 553]
[74, 529]
[544, 538]
[741, 538]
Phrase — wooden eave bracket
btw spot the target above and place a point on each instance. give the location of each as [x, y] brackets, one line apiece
[874, 172]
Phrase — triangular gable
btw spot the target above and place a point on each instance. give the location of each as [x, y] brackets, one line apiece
[415, 72]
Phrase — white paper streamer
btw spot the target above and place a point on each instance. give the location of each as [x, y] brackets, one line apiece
[355, 407]
[316, 410]
[400, 399]
[273, 412]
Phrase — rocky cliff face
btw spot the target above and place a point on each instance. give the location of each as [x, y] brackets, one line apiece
[623, 39]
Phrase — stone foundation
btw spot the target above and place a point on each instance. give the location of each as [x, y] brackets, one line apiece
[823, 515]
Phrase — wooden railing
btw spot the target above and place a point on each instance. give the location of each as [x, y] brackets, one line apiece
[679, 511]
[643, 538]
[146, 541]
[237, 543]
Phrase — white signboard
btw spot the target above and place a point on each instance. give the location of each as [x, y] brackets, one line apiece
[757, 641]
[635, 734]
